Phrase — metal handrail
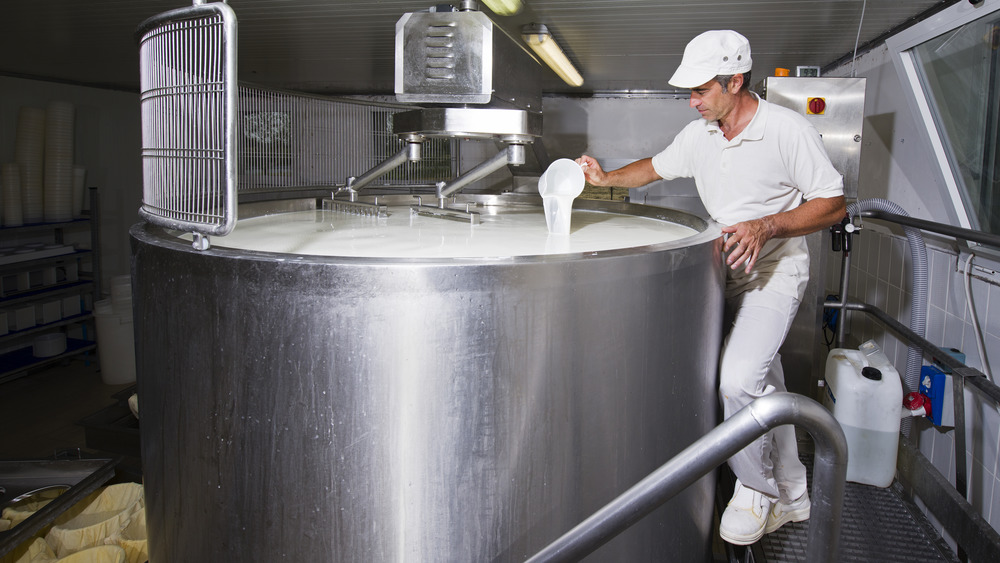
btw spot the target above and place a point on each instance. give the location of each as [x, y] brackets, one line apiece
[972, 375]
[710, 451]
[960, 233]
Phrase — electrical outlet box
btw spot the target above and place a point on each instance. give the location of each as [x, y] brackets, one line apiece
[937, 386]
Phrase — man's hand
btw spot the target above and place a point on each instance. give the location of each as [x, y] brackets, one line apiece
[745, 242]
[747, 239]
[592, 170]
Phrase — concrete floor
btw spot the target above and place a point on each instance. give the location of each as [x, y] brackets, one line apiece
[40, 412]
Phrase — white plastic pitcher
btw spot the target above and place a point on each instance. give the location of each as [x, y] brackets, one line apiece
[559, 185]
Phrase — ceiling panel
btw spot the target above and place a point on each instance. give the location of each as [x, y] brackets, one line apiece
[340, 47]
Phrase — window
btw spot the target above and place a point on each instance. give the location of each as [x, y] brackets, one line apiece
[954, 73]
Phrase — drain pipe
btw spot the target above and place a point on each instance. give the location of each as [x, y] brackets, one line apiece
[918, 301]
[712, 450]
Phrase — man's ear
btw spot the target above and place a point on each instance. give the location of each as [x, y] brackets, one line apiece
[735, 83]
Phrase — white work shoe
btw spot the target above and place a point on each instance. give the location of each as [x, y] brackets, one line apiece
[781, 513]
[745, 517]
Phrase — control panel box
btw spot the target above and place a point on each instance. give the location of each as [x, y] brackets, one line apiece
[836, 108]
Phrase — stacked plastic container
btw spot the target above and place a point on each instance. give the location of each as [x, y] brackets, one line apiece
[29, 152]
[42, 184]
[79, 190]
[58, 200]
[115, 337]
[10, 195]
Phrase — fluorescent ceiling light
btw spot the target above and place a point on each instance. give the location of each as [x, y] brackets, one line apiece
[503, 7]
[537, 37]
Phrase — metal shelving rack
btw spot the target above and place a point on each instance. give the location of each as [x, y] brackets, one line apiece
[20, 360]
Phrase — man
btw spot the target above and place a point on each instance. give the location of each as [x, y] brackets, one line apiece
[762, 172]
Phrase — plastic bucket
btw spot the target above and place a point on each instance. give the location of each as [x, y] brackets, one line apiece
[121, 294]
[121, 286]
[49, 345]
[115, 343]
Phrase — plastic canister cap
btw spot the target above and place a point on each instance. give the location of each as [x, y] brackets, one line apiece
[872, 373]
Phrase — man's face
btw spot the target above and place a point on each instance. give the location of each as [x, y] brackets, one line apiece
[711, 102]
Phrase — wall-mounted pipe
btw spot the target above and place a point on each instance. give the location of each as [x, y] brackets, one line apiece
[710, 451]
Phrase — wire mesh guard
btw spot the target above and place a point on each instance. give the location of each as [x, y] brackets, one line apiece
[188, 98]
[206, 138]
[293, 140]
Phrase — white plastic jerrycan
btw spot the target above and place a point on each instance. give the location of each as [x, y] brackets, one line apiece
[864, 393]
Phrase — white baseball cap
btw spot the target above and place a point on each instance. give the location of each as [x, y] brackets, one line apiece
[711, 54]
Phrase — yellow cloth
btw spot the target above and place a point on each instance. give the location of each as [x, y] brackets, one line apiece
[20, 511]
[99, 554]
[36, 551]
[107, 514]
[133, 539]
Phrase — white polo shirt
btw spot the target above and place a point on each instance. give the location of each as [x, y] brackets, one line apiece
[774, 164]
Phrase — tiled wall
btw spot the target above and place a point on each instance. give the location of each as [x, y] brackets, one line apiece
[881, 275]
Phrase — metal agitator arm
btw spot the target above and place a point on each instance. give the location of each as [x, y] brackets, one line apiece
[713, 449]
[409, 153]
[512, 154]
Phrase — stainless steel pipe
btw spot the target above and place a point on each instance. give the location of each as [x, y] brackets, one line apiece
[409, 153]
[710, 451]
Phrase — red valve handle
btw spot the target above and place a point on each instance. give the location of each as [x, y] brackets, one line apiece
[914, 401]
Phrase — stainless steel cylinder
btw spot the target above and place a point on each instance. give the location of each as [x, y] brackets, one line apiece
[310, 408]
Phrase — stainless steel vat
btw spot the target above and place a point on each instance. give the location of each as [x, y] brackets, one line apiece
[304, 408]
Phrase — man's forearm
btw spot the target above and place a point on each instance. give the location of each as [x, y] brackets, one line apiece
[747, 238]
[634, 175]
[813, 215]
